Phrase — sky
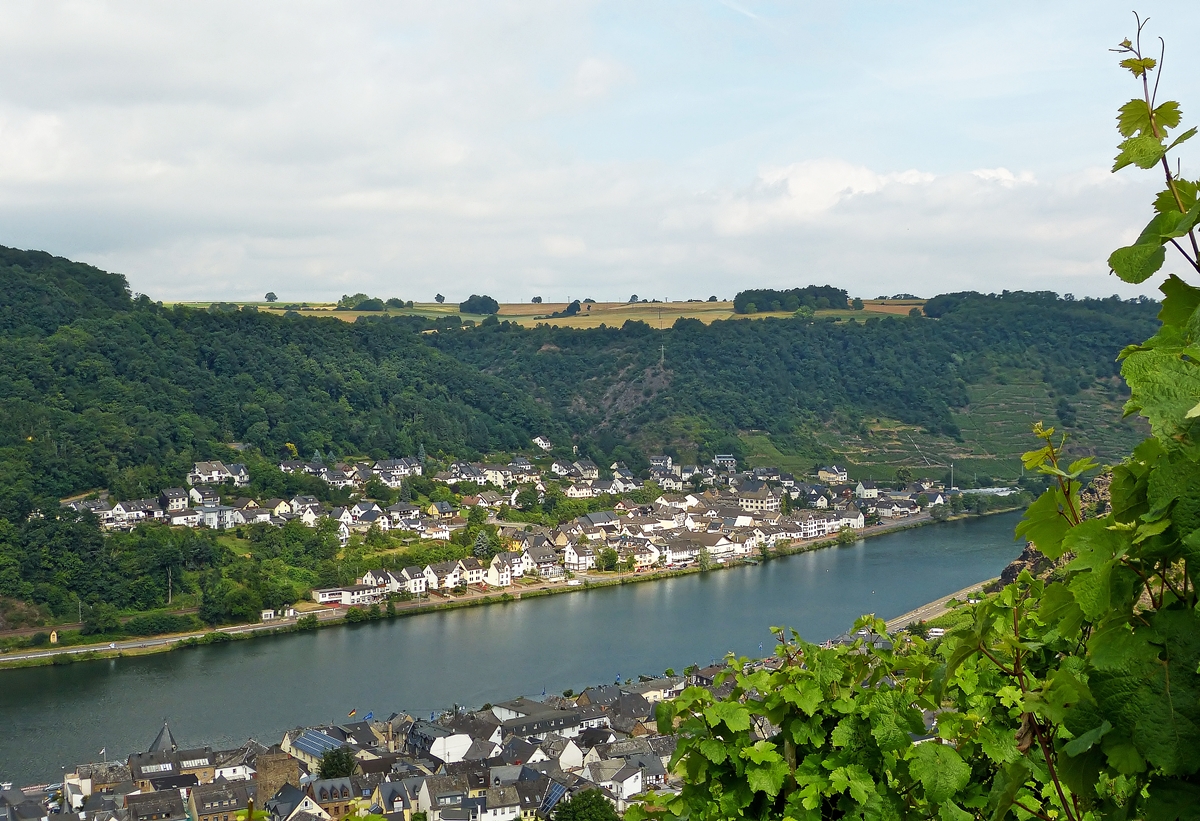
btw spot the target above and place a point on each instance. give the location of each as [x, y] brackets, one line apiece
[564, 149]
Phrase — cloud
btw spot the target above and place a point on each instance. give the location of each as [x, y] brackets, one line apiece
[222, 150]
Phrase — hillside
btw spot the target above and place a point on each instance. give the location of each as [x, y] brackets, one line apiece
[100, 390]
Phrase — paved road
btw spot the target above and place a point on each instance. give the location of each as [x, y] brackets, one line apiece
[932, 610]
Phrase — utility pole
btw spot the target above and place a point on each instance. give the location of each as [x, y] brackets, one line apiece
[662, 355]
[168, 585]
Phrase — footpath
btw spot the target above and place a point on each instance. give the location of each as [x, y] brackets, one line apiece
[938, 607]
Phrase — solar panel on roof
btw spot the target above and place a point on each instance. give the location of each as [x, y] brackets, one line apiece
[315, 744]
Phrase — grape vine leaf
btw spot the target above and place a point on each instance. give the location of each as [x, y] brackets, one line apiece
[940, 769]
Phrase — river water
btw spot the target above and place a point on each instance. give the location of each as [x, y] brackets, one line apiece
[52, 718]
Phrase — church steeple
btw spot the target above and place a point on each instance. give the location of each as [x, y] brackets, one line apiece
[164, 742]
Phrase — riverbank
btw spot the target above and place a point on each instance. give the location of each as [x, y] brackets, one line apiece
[337, 616]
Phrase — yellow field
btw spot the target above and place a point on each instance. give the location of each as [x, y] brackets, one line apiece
[592, 315]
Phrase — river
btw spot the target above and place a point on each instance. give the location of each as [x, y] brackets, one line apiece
[52, 718]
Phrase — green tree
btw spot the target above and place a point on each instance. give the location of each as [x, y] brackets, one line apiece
[537, 300]
[270, 297]
[856, 304]
[940, 513]
[439, 299]
[100, 618]
[703, 558]
[904, 476]
[482, 548]
[337, 763]
[589, 805]
[607, 559]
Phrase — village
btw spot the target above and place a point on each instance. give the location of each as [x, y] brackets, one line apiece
[676, 517]
[517, 759]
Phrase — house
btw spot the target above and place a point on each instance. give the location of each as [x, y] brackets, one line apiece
[542, 442]
[833, 474]
[164, 805]
[662, 462]
[851, 517]
[439, 510]
[516, 562]
[414, 580]
[433, 740]
[618, 776]
[201, 496]
[578, 557]
[541, 559]
[499, 572]
[339, 797]
[866, 489]
[173, 499]
[471, 570]
[561, 468]
[209, 802]
[443, 575]
[725, 461]
[587, 469]
[185, 518]
[579, 490]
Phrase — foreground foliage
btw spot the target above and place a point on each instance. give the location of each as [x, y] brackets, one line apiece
[1073, 697]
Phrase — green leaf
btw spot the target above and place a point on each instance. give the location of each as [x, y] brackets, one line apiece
[806, 695]
[735, 715]
[1007, 784]
[1044, 525]
[767, 769]
[713, 749]
[1133, 118]
[1165, 201]
[998, 744]
[940, 769]
[1164, 386]
[1084, 742]
[853, 778]
[1167, 115]
[1182, 138]
[952, 812]
[1143, 151]
[665, 715]
[1180, 299]
[1169, 799]
[1139, 66]
[1092, 591]
[1137, 263]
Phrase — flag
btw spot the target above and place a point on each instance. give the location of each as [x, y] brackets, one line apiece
[353, 712]
[368, 716]
[104, 751]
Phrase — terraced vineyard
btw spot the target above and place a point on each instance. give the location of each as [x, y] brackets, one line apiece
[995, 432]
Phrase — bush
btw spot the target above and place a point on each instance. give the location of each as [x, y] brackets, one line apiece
[356, 615]
[308, 622]
[155, 624]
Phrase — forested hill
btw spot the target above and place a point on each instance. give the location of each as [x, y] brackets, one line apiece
[98, 390]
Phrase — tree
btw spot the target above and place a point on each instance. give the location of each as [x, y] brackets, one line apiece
[633, 298]
[482, 549]
[915, 313]
[589, 805]
[478, 304]
[100, 618]
[846, 536]
[904, 476]
[396, 302]
[712, 298]
[439, 299]
[703, 558]
[856, 304]
[527, 498]
[940, 513]
[922, 500]
[270, 297]
[537, 300]
[607, 559]
[337, 763]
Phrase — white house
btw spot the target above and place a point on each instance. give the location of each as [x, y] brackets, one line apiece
[542, 442]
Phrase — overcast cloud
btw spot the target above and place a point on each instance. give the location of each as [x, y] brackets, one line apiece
[218, 150]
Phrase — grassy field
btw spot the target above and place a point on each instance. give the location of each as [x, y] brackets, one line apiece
[593, 315]
[995, 432]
